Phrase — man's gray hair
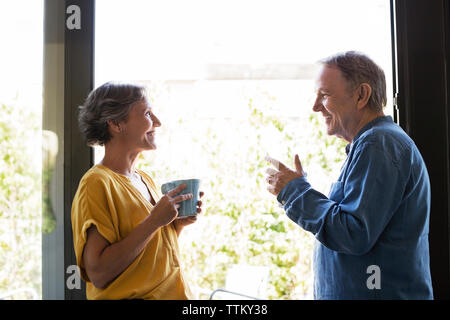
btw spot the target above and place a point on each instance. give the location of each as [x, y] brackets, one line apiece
[358, 68]
[110, 101]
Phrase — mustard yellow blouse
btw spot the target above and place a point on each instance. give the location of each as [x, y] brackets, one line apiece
[109, 201]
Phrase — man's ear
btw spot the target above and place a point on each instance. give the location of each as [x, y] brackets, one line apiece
[364, 92]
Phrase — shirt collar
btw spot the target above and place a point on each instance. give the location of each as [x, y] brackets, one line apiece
[372, 124]
[368, 126]
[347, 148]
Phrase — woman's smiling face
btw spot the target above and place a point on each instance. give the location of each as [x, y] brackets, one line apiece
[139, 128]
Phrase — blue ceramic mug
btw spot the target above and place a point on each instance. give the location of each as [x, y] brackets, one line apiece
[187, 207]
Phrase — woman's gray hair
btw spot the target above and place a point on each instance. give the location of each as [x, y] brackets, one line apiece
[110, 101]
[358, 68]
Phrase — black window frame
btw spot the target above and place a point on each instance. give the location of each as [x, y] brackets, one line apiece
[421, 55]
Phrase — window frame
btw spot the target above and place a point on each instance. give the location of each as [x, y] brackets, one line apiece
[420, 46]
[68, 78]
[422, 50]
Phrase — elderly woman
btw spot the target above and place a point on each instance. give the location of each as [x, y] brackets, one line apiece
[125, 232]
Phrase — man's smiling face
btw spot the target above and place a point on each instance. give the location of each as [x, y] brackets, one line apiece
[336, 101]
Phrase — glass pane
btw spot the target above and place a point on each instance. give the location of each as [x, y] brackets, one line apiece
[232, 81]
[21, 30]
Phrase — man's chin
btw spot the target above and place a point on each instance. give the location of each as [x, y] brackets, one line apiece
[330, 131]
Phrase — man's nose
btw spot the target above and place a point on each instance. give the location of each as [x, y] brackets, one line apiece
[317, 105]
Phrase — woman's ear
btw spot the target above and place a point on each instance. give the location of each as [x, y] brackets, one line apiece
[114, 126]
[364, 93]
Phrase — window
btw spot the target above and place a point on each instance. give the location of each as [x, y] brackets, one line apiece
[20, 150]
[231, 82]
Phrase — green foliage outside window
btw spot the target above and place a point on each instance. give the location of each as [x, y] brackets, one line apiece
[241, 224]
[20, 199]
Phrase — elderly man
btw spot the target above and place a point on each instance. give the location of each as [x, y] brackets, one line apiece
[372, 230]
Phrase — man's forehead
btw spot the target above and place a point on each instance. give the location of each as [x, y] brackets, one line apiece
[327, 77]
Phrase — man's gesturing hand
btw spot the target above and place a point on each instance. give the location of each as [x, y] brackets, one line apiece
[278, 179]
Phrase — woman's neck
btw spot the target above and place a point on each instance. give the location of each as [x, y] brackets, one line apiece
[119, 160]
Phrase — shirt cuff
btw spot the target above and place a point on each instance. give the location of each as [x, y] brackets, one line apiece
[297, 185]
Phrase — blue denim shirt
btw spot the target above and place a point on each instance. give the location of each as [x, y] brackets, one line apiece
[372, 230]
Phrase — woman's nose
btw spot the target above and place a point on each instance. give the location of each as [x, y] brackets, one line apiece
[156, 122]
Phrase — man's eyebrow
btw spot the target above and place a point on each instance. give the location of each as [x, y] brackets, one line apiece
[323, 90]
